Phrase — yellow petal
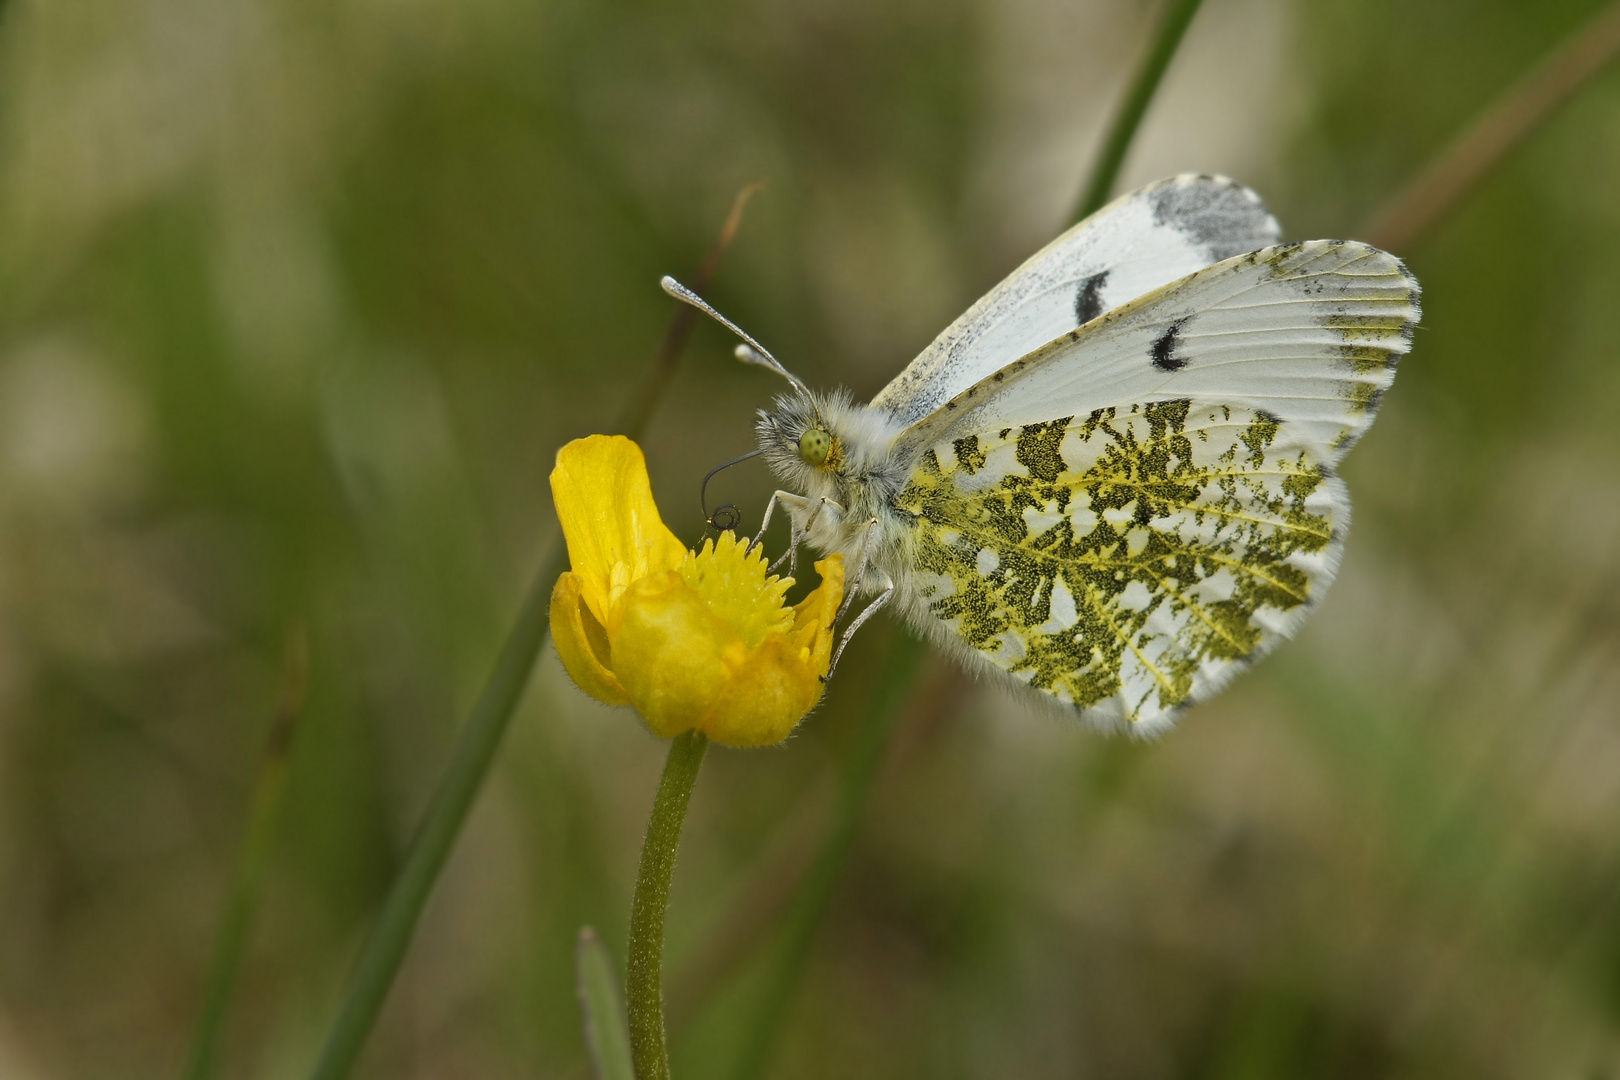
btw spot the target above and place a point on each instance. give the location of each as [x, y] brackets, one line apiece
[778, 684]
[671, 653]
[813, 616]
[768, 694]
[605, 505]
[582, 644]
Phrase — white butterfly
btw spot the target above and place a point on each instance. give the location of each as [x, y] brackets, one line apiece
[1111, 480]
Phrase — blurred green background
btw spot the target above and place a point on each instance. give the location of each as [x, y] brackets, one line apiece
[298, 300]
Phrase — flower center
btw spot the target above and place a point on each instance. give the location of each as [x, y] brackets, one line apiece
[736, 588]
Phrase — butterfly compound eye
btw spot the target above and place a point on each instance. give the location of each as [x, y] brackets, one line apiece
[814, 446]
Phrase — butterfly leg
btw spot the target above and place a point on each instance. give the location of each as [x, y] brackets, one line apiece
[866, 613]
[854, 585]
[787, 498]
[796, 505]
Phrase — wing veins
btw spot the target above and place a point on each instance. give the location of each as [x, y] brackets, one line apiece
[1193, 606]
[1226, 514]
[1131, 562]
[1237, 567]
[1394, 298]
[1113, 624]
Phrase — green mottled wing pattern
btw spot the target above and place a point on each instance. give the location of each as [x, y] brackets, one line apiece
[1126, 562]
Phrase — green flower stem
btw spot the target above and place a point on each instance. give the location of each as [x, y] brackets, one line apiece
[252, 860]
[477, 743]
[643, 991]
[1178, 15]
[816, 892]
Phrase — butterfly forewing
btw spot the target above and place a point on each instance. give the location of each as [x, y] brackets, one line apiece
[1134, 245]
[1128, 561]
[1307, 332]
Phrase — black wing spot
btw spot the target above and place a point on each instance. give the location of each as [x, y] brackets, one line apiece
[1268, 416]
[1164, 348]
[1218, 215]
[1088, 301]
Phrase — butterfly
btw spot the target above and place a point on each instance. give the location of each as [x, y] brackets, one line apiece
[1111, 481]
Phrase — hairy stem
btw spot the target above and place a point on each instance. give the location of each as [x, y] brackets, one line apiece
[643, 988]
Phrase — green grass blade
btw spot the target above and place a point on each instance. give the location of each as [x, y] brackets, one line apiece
[252, 861]
[463, 778]
[1178, 15]
[816, 892]
[607, 1034]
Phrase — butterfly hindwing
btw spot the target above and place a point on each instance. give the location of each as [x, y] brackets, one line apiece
[1129, 561]
[1132, 246]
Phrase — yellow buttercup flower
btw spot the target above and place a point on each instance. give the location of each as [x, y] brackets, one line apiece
[695, 641]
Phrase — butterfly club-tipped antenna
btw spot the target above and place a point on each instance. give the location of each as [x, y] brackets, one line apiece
[750, 353]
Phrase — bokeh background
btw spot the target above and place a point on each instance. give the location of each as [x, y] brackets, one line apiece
[297, 301]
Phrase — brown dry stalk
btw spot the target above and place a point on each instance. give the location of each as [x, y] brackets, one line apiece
[636, 417]
[1407, 218]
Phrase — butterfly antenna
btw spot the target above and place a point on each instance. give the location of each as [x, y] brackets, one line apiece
[751, 353]
[725, 516]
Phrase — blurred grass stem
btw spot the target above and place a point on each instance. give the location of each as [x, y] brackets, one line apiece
[816, 893]
[446, 812]
[607, 1033]
[1408, 218]
[252, 860]
[643, 986]
[480, 737]
[1173, 23]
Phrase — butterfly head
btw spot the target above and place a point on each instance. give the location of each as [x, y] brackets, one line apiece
[799, 441]
[827, 444]
[818, 442]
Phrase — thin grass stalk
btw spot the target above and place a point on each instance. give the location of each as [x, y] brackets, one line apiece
[636, 417]
[252, 862]
[816, 892]
[479, 739]
[446, 813]
[1407, 218]
[1127, 119]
